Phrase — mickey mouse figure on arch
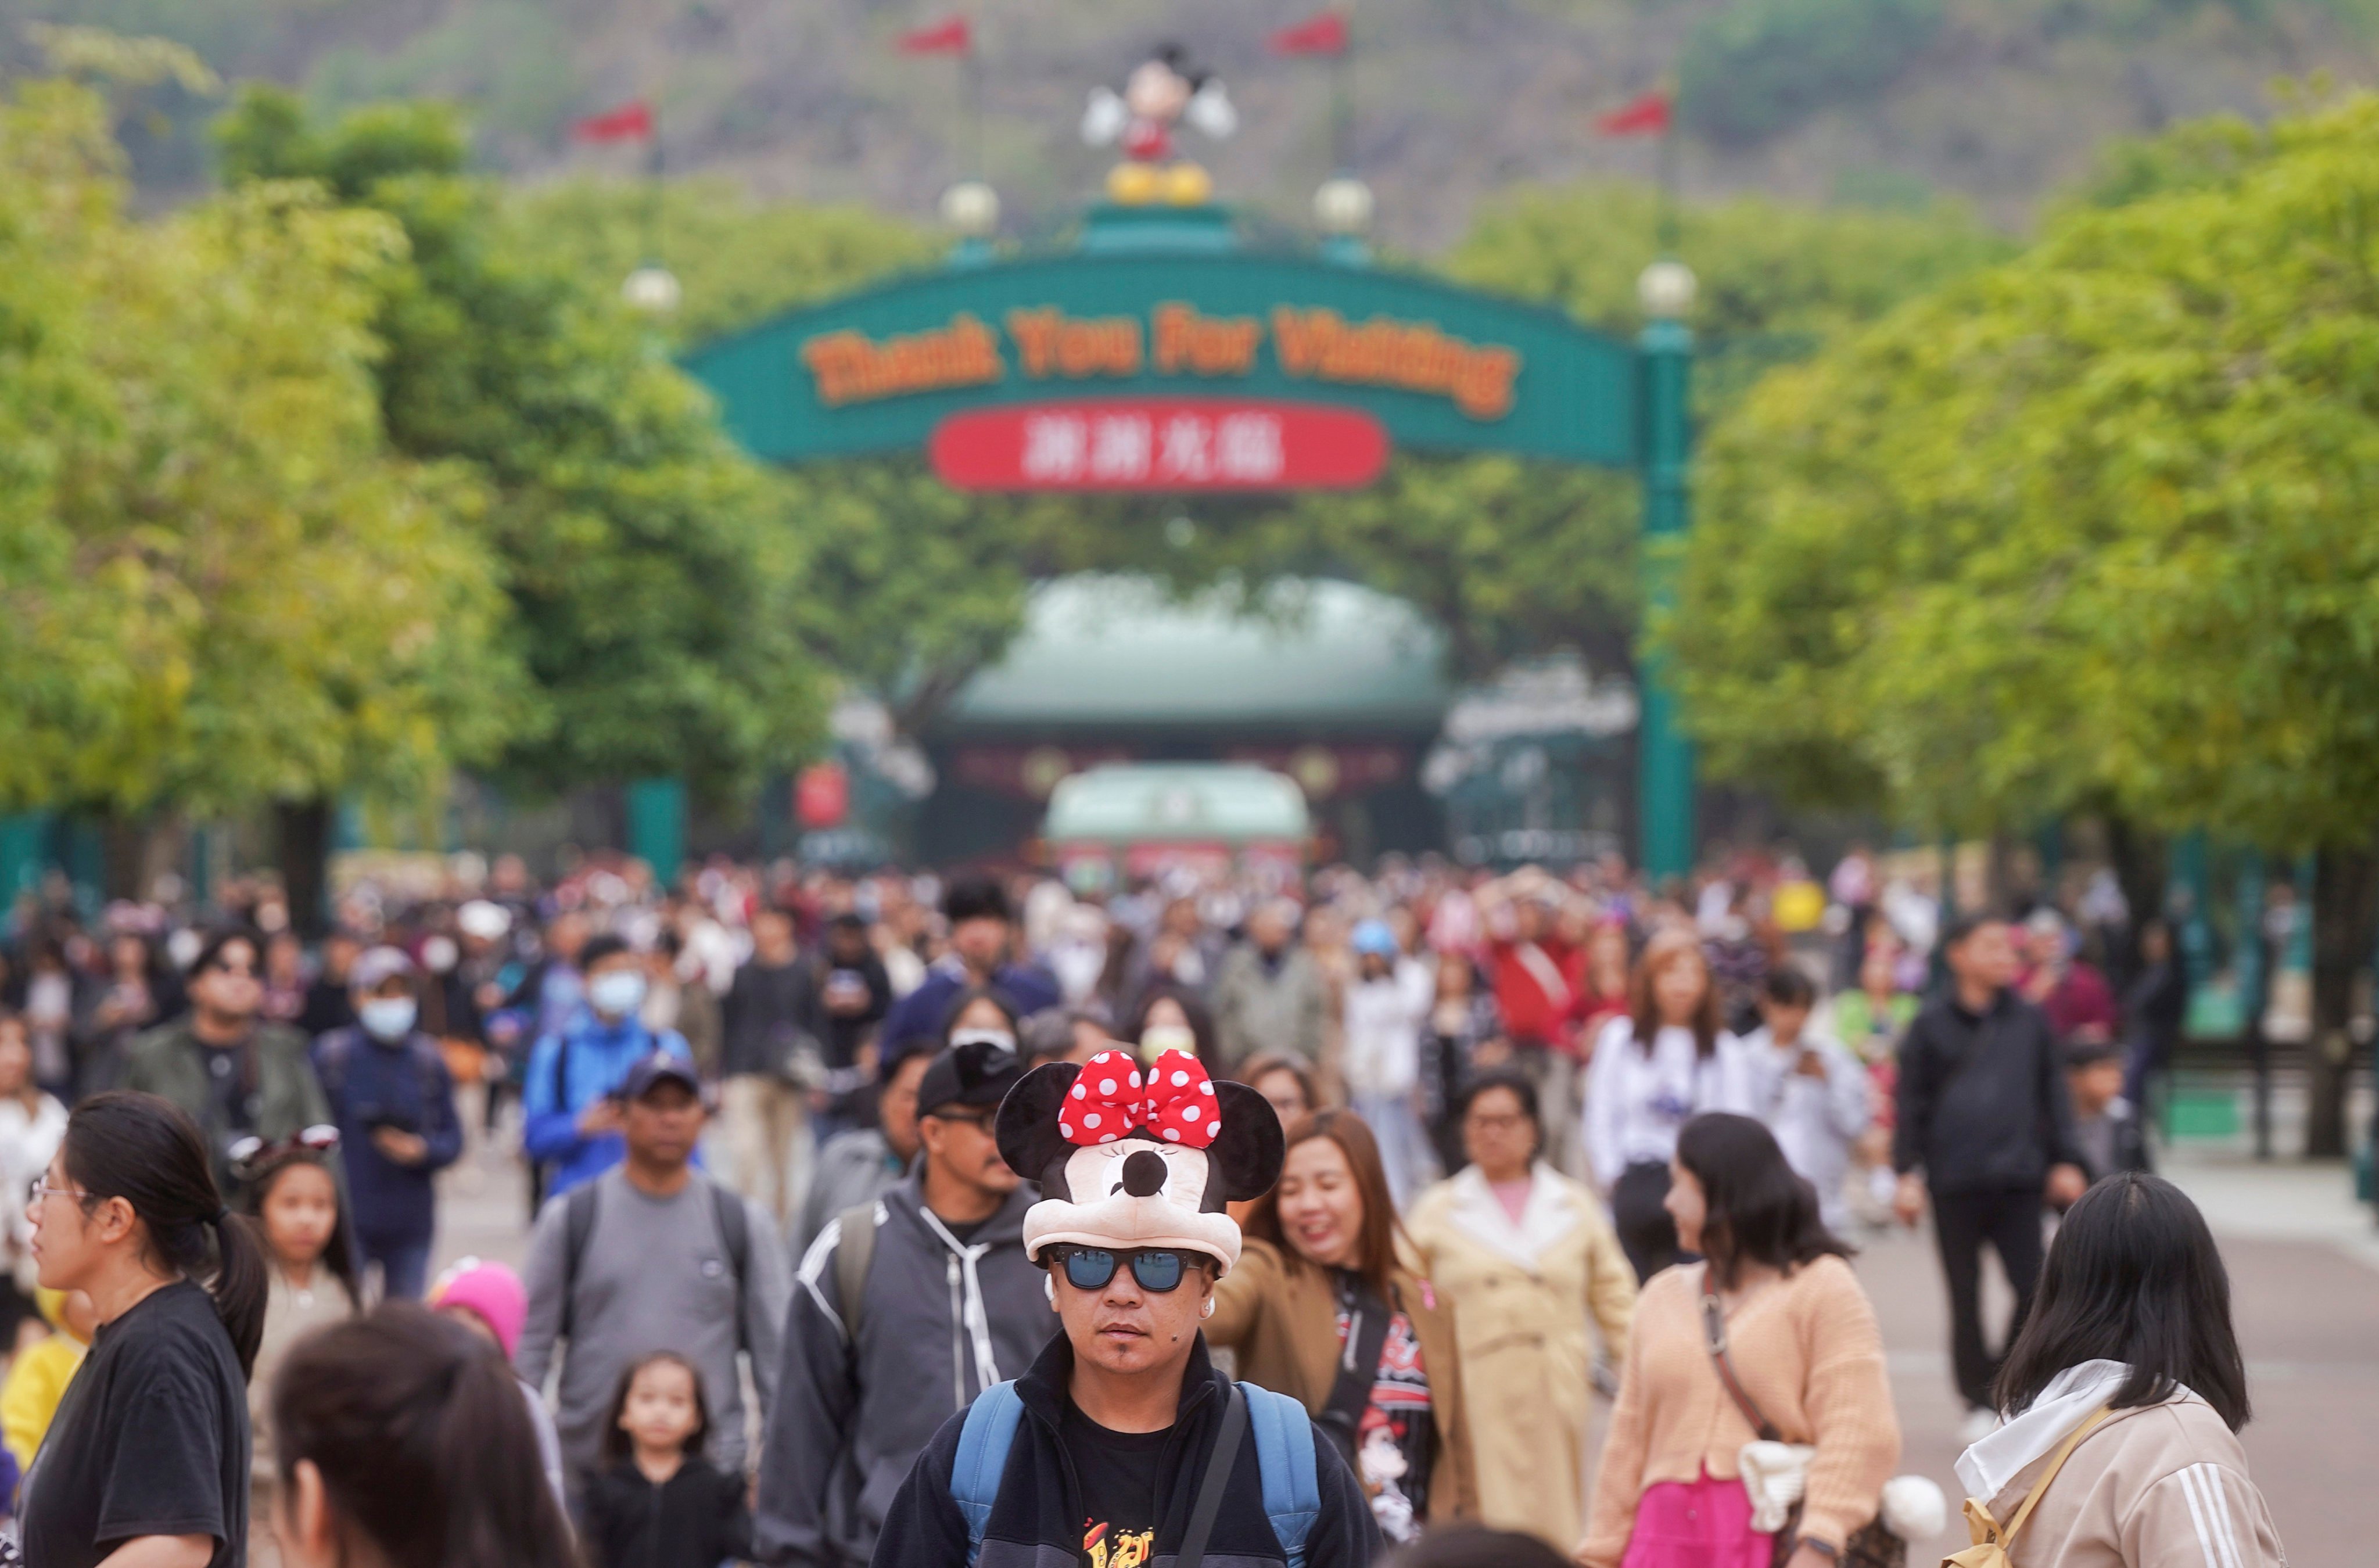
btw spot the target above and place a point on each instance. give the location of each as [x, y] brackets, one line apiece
[1123, 1444]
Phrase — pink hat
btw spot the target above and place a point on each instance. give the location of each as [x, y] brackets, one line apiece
[491, 1292]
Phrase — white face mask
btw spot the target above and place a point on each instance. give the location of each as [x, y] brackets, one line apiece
[1159, 1038]
[388, 1017]
[998, 1037]
[616, 994]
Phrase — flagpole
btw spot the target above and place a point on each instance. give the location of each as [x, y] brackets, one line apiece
[1667, 209]
[653, 193]
[1342, 99]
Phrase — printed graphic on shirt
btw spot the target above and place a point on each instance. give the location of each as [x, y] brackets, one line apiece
[1392, 1442]
[1102, 1549]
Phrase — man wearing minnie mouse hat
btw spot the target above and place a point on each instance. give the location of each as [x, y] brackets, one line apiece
[1123, 1445]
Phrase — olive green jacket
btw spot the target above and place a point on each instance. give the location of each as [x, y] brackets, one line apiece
[283, 1096]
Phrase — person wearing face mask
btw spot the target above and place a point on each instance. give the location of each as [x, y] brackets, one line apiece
[222, 1064]
[1321, 1309]
[393, 1104]
[575, 1073]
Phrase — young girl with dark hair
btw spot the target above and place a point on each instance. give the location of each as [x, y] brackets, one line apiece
[401, 1441]
[1769, 1338]
[2129, 1345]
[146, 1461]
[309, 1266]
[657, 1503]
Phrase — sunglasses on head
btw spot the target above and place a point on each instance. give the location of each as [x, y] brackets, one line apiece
[1090, 1268]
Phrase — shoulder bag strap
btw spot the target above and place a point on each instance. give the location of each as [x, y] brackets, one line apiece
[2064, 1452]
[1358, 1369]
[1219, 1466]
[1714, 1331]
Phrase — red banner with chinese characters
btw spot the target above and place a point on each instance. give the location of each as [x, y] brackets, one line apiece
[1160, 444]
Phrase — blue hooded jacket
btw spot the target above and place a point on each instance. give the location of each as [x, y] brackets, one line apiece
[568, 1072]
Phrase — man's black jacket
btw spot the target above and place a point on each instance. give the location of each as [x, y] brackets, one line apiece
[1037, 1518]
[1982, 1102]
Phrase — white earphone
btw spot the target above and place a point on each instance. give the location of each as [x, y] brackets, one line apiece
[1208, 1310]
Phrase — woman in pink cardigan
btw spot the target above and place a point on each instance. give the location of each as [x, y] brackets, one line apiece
[1801, 1344]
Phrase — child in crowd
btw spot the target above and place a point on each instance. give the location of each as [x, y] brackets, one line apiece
[491, 1300]
[311, 1278]
[659, 1503]
[1809, 1089]
[2109, 1131]
[38, 1377]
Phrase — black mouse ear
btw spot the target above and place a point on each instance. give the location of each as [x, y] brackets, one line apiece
[1247, 1156]
[1027, 1127]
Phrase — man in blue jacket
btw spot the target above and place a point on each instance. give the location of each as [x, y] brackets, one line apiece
[1101, 1454]
[573, 1079]
[393, 1103]
[983, 941]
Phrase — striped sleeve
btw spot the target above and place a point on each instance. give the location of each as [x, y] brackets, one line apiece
[2206, 1515]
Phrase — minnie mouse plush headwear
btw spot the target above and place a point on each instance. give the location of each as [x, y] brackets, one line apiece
[1129, 1156]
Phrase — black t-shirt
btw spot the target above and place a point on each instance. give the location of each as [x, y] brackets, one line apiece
[1118, 1472]
[150, 1440]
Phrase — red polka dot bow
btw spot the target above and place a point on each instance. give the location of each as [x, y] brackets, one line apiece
[1113, 1094]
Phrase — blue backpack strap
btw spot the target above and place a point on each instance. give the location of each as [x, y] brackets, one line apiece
[1292, 1492]
[984, 1442]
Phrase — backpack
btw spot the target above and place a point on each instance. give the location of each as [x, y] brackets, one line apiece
[1993, 1539]
[1292, 1491]
[578, 1226]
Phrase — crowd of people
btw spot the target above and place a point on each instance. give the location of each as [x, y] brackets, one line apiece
[903, 1218]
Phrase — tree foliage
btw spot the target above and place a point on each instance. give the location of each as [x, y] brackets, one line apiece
[1762, 66]
[220, 587]
[654, 594]
[2091, 525]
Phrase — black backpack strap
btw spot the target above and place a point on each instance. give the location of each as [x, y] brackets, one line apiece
[1359, 1367]
[735, 1232]
[1219, 1466]
[577, 1225]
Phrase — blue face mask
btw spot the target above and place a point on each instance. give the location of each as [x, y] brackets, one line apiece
[616, 994]
[388, 1017]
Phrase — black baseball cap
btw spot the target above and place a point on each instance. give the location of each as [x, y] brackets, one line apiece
[979, 1072]
[656, 1069]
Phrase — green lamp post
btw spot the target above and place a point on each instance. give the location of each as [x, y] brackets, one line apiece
[1665, 757]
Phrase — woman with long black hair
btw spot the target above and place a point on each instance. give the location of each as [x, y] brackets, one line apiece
[2122, 1399]
[402, 1440]
[1767, 1342]
[146, 1465]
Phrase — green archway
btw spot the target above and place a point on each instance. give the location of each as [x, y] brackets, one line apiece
[1156, 352]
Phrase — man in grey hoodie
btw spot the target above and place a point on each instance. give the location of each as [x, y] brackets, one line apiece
[895, 1326]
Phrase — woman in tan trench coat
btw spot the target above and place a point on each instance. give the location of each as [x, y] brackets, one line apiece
[1320, 1268]
[1524, 1256]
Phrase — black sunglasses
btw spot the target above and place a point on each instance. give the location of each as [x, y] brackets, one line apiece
[1090, 1268]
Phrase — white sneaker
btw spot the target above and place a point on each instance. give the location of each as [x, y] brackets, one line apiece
[1978, 1425]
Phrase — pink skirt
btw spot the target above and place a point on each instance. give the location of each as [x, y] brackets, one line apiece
[1702, 1524]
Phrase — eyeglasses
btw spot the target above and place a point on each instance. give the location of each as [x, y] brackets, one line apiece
[38, 1188]
[979, 1120]
[1492, 1123]
[1090, 1268]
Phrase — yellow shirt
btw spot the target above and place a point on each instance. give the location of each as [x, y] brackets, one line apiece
[37, 1381]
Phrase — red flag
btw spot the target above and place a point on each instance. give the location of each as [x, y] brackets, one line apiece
[1323, 35]
[632, 121]
[952, 37]
[1648, 116]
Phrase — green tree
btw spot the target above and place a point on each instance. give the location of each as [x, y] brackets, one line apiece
[2088, 528]
[653, 592]
[222, 590]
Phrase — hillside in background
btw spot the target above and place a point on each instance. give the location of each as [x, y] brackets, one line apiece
[1874, 102]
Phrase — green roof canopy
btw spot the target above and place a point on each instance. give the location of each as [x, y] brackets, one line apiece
[1307, 655]
[1149, 802]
